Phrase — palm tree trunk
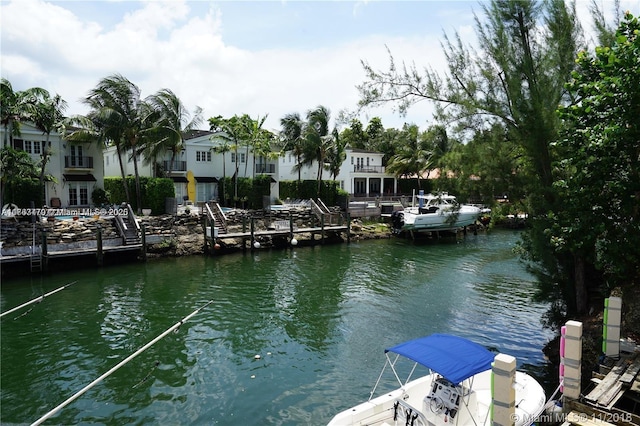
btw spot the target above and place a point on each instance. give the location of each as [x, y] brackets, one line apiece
[137, 177]
[124, 180]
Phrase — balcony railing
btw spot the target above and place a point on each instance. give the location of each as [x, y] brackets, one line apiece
[78, 162]
[368, 169]
[175, 166]
[265, 168]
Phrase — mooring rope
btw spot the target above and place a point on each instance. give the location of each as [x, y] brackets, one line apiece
[36, 300]
[117, 366]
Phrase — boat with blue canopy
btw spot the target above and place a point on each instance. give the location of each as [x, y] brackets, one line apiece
[456, 389]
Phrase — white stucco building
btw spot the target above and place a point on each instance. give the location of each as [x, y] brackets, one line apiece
[76, 167]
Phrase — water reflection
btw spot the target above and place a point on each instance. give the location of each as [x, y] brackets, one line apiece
[318, 317]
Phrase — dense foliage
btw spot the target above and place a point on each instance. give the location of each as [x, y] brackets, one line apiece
[598, 174]
[154, 192]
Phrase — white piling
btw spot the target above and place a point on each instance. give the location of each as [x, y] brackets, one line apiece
[503, 392]
[571, 360]
[611, 327]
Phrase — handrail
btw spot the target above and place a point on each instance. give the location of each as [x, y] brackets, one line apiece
[132, 218]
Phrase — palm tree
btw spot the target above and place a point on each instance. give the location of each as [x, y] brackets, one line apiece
[223, 148]
[336, 154]
[116, 108]
[254, 137]
[291, 135]
[170, 121]
[16, 107]
[318, 139]
[412, 157]
[231, 130]
[48, 116]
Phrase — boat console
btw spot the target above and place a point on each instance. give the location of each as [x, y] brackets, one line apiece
[444, 397]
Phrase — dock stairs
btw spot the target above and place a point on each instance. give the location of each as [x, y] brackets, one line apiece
[128, 227]
[216, 216]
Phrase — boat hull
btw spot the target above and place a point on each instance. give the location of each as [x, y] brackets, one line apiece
[411, 400]
[442, 220]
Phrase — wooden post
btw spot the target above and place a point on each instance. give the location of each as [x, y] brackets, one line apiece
[348, 227]
[252, 232]
[290, 226]
[244, 230]
[503, 392]
[322, 228]
[45, 253]
[611, 327]
[205, 220]
[143, 233]
[571, 359]
[99, 252]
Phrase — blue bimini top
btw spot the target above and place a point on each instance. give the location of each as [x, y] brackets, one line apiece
[454, 358]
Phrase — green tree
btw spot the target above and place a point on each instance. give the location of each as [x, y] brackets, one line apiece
[336, 154]
[16, 107]
[170, 120]
[414, 155]
[599, 177]
[121, 116]
[318, 140]
[291, 134]
[516, 77]
[232, 130]
[48, 117]
[15, 165]
[222, 148]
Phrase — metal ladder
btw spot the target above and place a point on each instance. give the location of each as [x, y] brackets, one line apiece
[36, 255]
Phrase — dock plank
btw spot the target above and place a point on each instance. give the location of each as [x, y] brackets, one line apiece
[632, 371]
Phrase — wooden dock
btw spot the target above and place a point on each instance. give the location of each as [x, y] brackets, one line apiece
[615, 397]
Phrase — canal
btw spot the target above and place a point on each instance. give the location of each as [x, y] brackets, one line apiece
[318, 317]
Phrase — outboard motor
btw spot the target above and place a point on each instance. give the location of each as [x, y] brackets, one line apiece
[397, 220]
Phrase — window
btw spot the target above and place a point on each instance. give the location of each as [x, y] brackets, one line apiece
[242, 157]
[32, 147]
[78, 194]
[205, 191]
[76, 159]
[203, 156]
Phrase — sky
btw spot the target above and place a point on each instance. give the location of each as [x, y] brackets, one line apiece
[262, 58]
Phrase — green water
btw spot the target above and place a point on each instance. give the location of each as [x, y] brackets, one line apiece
[319, 318]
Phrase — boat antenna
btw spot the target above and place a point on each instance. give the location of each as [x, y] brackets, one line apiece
[117, 366]
[37, 299]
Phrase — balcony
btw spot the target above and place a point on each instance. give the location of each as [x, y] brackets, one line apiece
[368, 169]
[265, 168]
[78, 162]
[175, 166]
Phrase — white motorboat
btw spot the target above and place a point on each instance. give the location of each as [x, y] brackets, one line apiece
[458, 389]
[440, 212]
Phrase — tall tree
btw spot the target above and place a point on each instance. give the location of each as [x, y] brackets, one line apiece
[118, 111]
[16, 107]
[291, 134]
[516, 76]
[48, 117]
[414, 155]
[232, 130]
[336, 154]
[599, 176]
[222, 148]
[318, 139]
[170, 121]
